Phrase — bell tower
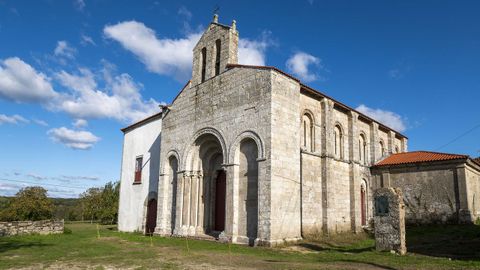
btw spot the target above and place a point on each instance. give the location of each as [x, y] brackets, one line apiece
[217, 47]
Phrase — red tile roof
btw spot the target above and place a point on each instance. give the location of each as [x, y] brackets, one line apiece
[418, 156]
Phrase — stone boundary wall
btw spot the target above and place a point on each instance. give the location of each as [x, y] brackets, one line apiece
[31, 227]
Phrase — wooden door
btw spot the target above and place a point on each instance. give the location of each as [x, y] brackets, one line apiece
[220, 190]
[151, 217]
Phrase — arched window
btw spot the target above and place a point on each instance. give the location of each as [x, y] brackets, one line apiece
[338, 141]
[217, 57]
[396, 150]
[362, 149]
[204, 63]
[382, 148]
[308, 138]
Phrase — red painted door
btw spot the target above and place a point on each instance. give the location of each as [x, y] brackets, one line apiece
[151, 217]
[220, 190]
[363, 206]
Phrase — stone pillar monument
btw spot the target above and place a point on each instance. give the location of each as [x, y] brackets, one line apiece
[389, 220]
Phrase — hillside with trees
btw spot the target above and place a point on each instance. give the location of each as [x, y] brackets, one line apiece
[32, 203]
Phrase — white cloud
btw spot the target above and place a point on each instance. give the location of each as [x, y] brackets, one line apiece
[80, 123]
[64, 50]
[14, 119]
[79, 4]
[301, 64]
[20, 82]
[183, 11]
[252, 52]
[120, 100]
[85, 40]
[79, 177]
[163, 56]
[36, 176]
[173, 57]
[81, 140]
[387, 118]
[10, 189]
[40, 122]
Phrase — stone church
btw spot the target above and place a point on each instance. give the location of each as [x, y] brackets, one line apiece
[250, 154]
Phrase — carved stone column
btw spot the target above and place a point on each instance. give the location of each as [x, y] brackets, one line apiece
[192, 224]
[200, 205]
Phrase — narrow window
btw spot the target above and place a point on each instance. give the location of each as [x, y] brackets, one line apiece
[217, 57]
[138, 169]
[362, 149]
[204, 63]
[338, 142]
[365, 152]
[308, 135]
[382, 149]
[305, 134]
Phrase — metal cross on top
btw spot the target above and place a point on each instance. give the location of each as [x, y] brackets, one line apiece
[216, 9]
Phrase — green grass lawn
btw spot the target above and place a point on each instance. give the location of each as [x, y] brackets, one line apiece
[429, 248]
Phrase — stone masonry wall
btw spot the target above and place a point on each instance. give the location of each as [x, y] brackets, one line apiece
[473, 186]
[331, 184]
[235, 102]
[31, 227]
[285, 158]
[429, 192]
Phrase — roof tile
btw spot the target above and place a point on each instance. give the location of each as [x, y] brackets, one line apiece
[418, 156]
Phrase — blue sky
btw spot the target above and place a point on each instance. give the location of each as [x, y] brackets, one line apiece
[72, 73]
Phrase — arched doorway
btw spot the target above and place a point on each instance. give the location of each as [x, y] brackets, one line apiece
[204, 188]
[151, 221]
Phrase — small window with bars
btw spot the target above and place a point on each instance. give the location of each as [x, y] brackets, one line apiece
[138, 170]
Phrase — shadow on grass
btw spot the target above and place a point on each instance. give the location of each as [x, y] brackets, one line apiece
[369, 264]
[8, 244]
[318, 247]
[461, 242]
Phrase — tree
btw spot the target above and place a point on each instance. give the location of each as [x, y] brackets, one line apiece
[91, 203]
[101, 203]
[30, 203]
[110, 197]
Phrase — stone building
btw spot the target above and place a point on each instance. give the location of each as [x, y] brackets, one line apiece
[249, 154]
[437, 187]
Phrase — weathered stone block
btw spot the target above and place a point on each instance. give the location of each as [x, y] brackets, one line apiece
[389, 220]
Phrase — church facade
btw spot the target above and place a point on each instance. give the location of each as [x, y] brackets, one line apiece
[249, 154]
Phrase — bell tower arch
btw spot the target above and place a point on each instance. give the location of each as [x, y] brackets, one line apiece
[217, 47]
